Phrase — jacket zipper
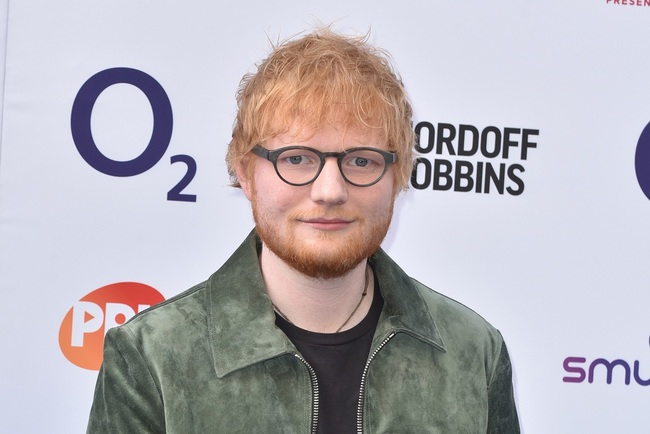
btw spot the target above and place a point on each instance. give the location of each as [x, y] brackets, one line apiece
[314, 389]
[362, 389]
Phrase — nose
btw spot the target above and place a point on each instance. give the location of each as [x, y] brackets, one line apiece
[330, 187]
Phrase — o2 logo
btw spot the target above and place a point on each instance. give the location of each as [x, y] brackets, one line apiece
[82, 135]
[642, 161]
[81, 335]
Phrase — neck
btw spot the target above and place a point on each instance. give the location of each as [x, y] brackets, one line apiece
[318, 305]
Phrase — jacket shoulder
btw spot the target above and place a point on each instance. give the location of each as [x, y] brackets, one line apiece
[166, 317]
[456, 321]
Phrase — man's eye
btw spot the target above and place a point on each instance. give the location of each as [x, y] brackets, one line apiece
[360, 162]
[297, 159]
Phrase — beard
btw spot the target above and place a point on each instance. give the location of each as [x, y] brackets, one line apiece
[326, 254]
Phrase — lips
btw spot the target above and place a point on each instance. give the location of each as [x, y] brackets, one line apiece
[329, 224]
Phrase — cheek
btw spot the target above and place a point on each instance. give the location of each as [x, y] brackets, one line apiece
[386, 193]
[385, 208]
[272, 195]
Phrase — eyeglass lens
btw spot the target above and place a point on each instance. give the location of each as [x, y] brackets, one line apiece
[361, 167]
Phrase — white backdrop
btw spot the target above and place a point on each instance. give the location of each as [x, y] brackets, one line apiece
[560, 267]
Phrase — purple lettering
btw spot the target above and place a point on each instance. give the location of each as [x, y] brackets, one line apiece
[574, 370]
[637, 375]
[610, 369]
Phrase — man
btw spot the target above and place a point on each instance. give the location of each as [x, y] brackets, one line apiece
[310, 326]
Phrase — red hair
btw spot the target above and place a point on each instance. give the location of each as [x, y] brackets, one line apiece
[321, 78]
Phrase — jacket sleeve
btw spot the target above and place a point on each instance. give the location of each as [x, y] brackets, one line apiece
[127, 399]
[502, 411]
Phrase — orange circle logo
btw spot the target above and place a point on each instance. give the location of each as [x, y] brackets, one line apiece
[81, 336]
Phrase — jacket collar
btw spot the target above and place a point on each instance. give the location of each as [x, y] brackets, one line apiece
[241, 320]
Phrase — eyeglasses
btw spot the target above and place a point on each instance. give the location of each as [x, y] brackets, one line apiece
[300, 165]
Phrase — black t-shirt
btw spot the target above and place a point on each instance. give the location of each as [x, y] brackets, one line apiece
[338, 360]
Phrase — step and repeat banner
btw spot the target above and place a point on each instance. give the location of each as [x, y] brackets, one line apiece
[530, 200]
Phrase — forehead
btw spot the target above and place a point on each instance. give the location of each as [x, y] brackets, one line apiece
[330, 137]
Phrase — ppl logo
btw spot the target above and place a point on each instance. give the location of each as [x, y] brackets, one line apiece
[81, 335]
[642, 161]
[580, 369]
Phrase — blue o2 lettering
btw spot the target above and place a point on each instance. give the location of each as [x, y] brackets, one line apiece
[642, 161]
[81, 127]
[176, 192]
[80, 124]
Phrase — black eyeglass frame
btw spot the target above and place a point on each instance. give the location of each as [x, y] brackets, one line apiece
[272, 156]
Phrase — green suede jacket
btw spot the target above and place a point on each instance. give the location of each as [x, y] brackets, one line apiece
[211, 360]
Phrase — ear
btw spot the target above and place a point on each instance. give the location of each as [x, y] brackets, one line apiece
[244, 173]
